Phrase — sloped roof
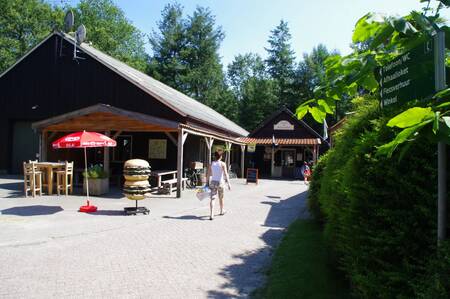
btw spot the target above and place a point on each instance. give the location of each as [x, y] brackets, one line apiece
[144, 118]
[177, 101]
[294, 118]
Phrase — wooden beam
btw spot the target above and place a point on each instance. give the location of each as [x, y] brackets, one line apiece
[214, 136]
[180, 161]
[171, 138]
[185, 135]
[242, 160]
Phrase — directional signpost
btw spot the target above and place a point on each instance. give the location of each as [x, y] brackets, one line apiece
[417, 75]
[409, 76]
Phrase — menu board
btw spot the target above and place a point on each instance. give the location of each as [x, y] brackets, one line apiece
[252, 175]
[157, 148]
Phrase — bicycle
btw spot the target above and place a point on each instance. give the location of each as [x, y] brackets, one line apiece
[193, 177]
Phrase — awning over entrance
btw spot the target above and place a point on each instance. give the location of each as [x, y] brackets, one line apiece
[280, 141]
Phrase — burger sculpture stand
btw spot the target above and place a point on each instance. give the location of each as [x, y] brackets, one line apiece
[136, 173]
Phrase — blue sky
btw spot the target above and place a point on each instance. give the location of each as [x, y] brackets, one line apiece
[247, 23]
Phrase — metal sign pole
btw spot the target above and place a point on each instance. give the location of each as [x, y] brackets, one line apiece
[439, 58]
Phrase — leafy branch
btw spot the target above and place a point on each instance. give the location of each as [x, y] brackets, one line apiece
[377, 39]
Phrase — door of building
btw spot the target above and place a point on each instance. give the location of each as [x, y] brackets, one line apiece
[288, 157]
[25, 145]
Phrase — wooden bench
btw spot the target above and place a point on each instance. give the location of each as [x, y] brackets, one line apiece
[169, 184]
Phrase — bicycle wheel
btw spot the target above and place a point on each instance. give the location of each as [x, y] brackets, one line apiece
[194, 180]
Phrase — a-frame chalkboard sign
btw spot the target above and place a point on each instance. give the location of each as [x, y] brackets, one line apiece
[252, 175]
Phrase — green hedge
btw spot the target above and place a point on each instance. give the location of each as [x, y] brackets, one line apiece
[379, 213]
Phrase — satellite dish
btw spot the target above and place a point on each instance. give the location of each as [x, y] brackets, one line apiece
[80, 34]
[68, 21]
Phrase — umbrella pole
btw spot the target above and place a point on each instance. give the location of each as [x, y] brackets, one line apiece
[86, 175]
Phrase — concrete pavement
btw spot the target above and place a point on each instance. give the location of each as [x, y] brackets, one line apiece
[49, 250]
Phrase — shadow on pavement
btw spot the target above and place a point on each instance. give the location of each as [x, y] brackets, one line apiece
[32, 210]
[108, 213]
[248, 273]
[12, 186]
[188, 217]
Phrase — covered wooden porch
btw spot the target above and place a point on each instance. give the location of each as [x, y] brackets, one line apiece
[119, 123]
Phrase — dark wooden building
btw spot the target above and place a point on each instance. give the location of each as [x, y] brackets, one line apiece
[279, 146]
[48, 93]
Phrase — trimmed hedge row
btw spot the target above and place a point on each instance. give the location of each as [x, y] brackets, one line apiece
[379, 214]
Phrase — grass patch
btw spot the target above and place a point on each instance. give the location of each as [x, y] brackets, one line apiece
[300, 267]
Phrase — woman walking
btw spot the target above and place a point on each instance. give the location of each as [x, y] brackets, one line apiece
[217, 171]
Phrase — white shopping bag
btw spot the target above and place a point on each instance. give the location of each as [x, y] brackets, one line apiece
[203, 193]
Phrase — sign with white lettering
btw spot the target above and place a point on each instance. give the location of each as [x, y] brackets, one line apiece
[409, 76]
[283, 125]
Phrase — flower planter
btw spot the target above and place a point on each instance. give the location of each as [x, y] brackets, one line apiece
[97, 186]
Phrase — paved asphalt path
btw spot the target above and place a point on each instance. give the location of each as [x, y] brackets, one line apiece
[49, 250]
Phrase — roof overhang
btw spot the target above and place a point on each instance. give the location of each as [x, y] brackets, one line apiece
[101, 117]
[281, 141]
[210, 134]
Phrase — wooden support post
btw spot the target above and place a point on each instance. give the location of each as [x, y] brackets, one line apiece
[228, 157]
[44, 144]
[106, 155]
[209, 143]
[181, 139]
[242, 161]
[272, 162]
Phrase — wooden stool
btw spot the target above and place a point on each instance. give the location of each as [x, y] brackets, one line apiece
[64, 179]
[32, 179]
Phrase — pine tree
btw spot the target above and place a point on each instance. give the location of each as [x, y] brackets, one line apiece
[185, 56]
[169, 48]
[281, 64]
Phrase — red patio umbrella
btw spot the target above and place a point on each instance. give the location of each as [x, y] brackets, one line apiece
[84, 140]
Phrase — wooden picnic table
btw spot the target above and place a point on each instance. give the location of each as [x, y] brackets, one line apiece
[49, 167]
[160, 173]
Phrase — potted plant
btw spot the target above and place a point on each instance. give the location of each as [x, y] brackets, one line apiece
[98, 180]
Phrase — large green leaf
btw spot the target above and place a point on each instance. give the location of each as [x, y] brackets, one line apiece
[318, 114]
[369, 82]
[325, 106]
[403, 26]
[404, 135]
[423, 22]
[381, 36]
[365, 28]
[411, 117]
[301, 111]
